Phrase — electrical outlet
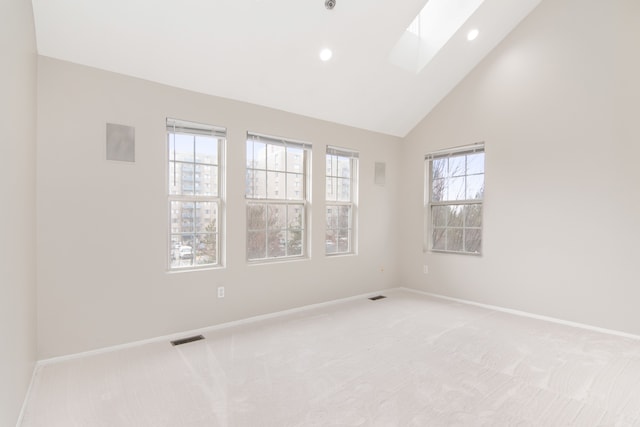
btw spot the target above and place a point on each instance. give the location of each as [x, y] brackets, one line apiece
[220, 291]
[425, 269]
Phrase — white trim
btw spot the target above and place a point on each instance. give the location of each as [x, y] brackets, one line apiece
[178, 335]
[27, 395]
[527, 314]
[343, 152]
[277, 140]
[461, 149]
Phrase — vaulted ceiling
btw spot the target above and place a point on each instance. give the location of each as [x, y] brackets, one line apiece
[267, 51]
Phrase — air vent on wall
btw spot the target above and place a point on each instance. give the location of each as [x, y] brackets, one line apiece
[121, 145]
[187, 340]
[377, 297]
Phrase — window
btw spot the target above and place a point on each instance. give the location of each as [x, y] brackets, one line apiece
[454, 204]
[341, 192]
[277, 197]
[195, 193]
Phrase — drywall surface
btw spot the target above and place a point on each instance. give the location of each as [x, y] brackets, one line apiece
[17, 214]
[102, 225]
[557, 104]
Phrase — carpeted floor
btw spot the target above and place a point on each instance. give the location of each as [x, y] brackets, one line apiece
[407, 360]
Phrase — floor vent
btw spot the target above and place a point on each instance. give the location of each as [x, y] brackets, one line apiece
[187, 340]
[377, 297]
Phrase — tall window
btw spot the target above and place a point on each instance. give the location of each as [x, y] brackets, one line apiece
[341, 199]
[277, 197]
[454, 204]
[195, 193]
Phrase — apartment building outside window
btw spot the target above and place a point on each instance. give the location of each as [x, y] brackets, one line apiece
[341, 201]
[277, 197]
[196, 161]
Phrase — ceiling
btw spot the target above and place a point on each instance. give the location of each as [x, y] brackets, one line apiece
[266, 51]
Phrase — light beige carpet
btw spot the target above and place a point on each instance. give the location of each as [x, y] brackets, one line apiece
[407, 360]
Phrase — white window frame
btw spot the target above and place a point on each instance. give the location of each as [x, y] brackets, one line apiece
[183, 127]
[299, 200]
[430, 205]
[332, 202]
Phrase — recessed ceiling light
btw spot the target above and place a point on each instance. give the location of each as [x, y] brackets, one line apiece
[471, 35]
[326, 54]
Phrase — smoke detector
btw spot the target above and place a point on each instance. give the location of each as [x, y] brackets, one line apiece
[330, 4]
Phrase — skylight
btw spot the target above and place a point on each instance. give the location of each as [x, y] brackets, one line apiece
[434, 25]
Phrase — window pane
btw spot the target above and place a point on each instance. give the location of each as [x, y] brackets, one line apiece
[256, 184]
[457, 166]
[294, 242]
[344, 167]
[259, 155]
[181, 178]
[439, 168]
[473, 216]
[276, 185]
[182, 250]
[294, 217]
[332, 193]
[473, 240]
[183, 216]
[295, 186]
[275, 244]
[329, 164]
[439, 238]
[439, 190]
[206, 181]
[206, 149]
[343, 241]
[475, 187]
[295, 160]
[456, 216]
[256, 217]
[277, 217]
[206, 217]
[275, 158]
[256, 244]
[206, 245]
[454, 239]
[475, 163]
[344, 217]
[332, 217]
[250, 159]
[331, 242]
[344, 190]
[455, 189]
[181, 147]
[439, 215]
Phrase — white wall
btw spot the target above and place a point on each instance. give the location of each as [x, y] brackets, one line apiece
[17, 212]
[558, 105]
[102, 225]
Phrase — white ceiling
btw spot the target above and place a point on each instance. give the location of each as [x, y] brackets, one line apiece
[266, 51]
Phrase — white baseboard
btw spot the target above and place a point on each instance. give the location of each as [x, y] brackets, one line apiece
[178, 335]
[527, 314]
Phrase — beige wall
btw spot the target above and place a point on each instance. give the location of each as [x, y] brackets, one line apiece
[17, 214]
[557, 104]
[102, 225]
